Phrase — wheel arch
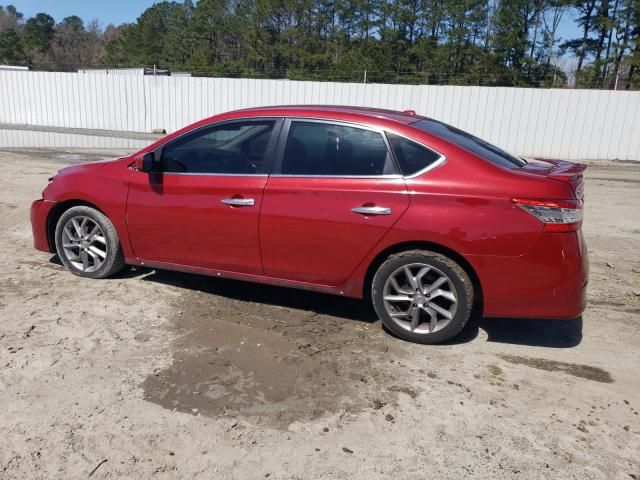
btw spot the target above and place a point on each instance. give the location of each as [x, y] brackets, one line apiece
[423, 245]
[55, 214]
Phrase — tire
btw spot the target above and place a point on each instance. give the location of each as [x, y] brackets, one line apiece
[102, 249]
[452, 297]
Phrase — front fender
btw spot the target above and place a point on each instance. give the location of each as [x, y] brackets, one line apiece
[104, 186]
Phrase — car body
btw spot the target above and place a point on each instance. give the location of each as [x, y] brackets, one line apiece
[285, 217]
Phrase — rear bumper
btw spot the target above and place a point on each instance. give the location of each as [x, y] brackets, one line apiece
[549, 281]
[39, 213]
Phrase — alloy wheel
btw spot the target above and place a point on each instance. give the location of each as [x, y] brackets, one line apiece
[420, 298]
[84, 243]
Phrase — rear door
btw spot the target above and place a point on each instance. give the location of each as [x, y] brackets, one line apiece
[203, 209]
[334, 193]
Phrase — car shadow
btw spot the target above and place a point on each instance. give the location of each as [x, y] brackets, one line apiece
[517, 331]
[531, 332]
[55, 259]
[535, 332]
[319, 303]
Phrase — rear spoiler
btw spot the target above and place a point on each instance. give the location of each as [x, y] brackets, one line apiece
[562, 169]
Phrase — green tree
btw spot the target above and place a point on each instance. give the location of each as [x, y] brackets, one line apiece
[632, 61]
[38, 32]
[11, 51]
[10, 17]
[581, 46]
[484, 42]
[179, 42]
[143, 42]
[68, 43]
[512, 24]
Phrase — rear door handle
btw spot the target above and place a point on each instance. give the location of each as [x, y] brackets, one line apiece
[239, 202]
[372, 210]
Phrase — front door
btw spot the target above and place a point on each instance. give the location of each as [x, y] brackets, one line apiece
[203, 208]
[334, 194]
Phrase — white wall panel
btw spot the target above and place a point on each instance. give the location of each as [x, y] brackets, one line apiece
[31, 139]
[573, 124]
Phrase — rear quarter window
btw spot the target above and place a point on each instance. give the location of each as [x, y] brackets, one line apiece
[411, 156]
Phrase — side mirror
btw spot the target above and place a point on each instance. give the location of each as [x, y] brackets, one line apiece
[149, 163]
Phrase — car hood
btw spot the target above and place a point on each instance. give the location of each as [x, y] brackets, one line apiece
[89, 167]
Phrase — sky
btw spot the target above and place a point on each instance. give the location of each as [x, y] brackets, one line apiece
[110, 11]
[121, 11]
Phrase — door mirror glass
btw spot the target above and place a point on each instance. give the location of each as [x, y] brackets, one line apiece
[149, 163]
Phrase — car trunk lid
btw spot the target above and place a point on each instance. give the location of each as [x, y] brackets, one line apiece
[560, 170]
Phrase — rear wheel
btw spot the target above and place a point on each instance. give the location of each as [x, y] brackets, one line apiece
[87, 243]
[422, 296]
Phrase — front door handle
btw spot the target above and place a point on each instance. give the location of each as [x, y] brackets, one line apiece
[372, 210]
[239, 202]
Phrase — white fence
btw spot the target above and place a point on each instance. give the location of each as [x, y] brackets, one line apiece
[572, 124]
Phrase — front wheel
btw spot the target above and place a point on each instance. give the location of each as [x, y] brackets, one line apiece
[87, 243]
[422, 296]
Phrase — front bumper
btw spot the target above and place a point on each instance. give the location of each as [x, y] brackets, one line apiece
[549, 281]
[40, 210]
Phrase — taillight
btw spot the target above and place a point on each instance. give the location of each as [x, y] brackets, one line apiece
[580, 190]
[557, 215]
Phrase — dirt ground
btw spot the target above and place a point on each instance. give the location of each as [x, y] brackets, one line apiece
[155, 374]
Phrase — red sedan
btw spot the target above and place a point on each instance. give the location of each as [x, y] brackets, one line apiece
[422, 218]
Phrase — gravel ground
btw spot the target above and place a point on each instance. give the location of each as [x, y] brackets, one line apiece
[155, 374]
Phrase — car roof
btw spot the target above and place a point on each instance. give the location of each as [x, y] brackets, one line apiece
[340, 111]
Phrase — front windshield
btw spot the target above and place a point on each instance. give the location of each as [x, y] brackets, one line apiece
[467, 141]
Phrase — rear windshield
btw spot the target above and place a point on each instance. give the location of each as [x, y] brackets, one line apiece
[467, 141]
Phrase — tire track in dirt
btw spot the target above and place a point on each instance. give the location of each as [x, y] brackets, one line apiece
[271, 352]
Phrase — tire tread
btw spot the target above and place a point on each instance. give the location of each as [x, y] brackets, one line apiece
[115, 262]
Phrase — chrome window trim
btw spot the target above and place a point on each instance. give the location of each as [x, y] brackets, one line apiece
[213, 124]
[386, 177]
[441, 161]
[343, 123]
[278, 120]
[216, 174]
[333, 121]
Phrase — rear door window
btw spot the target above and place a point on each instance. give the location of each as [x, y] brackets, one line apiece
[411, 156]
[327, 149]
[467, 141]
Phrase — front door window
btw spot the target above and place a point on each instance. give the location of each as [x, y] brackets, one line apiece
[230, 148]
